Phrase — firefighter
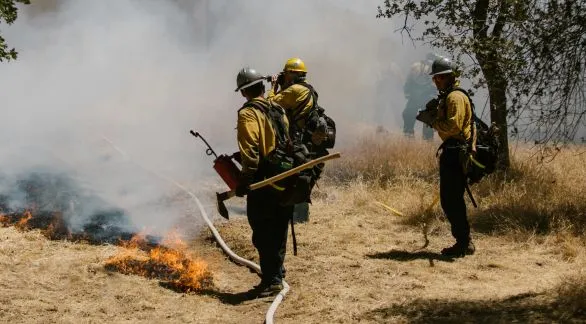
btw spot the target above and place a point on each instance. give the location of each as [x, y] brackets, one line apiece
[451, 116]
[418, 90]
[268, 220]
[290, 91]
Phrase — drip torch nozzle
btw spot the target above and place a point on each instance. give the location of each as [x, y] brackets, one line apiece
[209, 150]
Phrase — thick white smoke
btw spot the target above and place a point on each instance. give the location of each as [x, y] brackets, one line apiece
[142, 73]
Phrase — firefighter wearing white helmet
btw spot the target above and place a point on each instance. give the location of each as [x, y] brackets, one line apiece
[451, 116]
[268, 220]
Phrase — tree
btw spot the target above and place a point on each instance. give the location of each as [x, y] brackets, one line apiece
[529, 54]
[8, 14]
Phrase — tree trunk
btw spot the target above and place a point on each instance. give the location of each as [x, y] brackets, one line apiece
[498, 115]
[488, 59]
[497, 87]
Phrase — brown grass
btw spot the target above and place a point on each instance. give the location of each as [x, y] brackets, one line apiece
[358, 262]
[531, 197]
[571, 296]
[383, 158]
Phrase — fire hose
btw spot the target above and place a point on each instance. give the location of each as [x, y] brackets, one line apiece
[236, 258]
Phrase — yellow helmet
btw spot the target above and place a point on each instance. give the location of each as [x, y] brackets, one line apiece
[295, 64]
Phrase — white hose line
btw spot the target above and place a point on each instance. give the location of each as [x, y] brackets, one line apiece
[276, 302]
[238, 259]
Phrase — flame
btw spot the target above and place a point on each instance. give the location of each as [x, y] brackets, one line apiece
[22, 224]
[169, 262]
[4, 220]
[57, 229]
[138, 241]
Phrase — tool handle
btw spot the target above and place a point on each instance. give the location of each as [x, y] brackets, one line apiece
[231, 193]
[209, 150]
[293, 171]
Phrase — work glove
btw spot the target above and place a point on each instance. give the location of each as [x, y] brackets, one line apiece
[426, 116]
[243, 186]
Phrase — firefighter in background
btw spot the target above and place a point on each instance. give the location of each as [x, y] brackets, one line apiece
[269, 221]
[388, 77]
[418, 89]
[290, 91]
[451, 116]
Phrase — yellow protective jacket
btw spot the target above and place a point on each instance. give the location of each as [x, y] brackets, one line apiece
[296, 100]
[454, 117]
[255, 135]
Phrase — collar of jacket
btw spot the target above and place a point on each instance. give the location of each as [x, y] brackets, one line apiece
[444, 93]
[260, 100]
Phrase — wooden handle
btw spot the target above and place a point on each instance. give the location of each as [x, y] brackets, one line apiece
[293, 171]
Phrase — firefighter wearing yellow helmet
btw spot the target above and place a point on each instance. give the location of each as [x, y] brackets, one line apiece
[295, 65]
[291, 91]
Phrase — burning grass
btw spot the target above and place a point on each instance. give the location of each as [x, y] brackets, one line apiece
[169, 262]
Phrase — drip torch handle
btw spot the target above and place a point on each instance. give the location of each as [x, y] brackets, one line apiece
[209, 150]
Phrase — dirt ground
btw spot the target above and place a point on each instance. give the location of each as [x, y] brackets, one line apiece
[356, 263]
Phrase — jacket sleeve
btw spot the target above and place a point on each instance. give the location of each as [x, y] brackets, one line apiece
[453, 122]
[290, 98]
[248, 131]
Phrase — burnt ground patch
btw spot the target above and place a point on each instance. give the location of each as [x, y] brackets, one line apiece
[55, 204]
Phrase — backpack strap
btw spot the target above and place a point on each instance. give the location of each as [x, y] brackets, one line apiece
[473, 120]
[312, 95]
[275, 114]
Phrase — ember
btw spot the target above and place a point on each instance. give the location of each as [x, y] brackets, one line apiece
[169, 262]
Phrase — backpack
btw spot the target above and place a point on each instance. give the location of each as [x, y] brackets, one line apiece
[286, 155]
[319, 133]
[487, 145]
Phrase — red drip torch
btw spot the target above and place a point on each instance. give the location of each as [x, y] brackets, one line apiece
[223, 164]
[228, 171]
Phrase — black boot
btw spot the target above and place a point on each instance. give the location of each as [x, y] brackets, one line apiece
[459, 250]
[264, 289]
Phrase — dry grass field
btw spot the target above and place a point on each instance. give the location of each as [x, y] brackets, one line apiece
[357, 261]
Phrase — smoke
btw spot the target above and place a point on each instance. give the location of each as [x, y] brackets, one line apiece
[140, 74]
